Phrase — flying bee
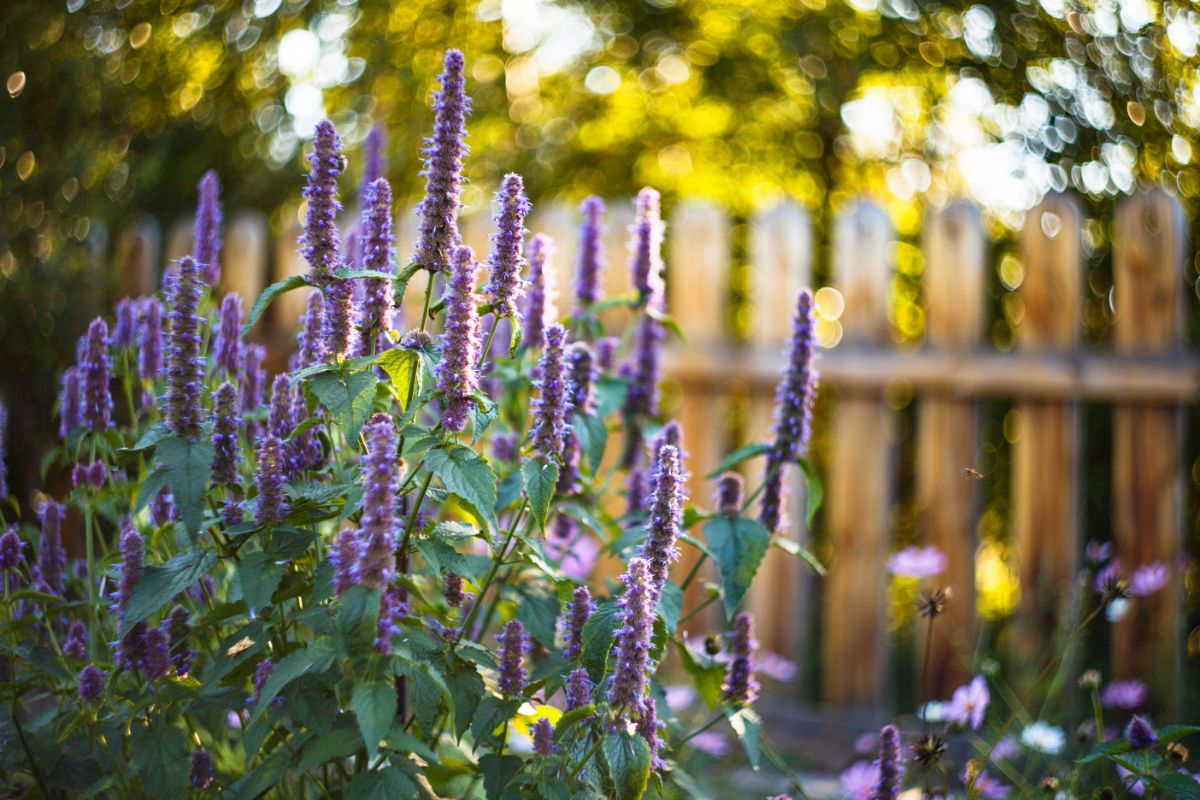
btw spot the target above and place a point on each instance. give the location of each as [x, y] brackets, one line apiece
[972, 474]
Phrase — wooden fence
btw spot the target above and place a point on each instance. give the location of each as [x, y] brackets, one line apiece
[1146, 377]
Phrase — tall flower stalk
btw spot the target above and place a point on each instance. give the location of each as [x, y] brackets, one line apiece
[539, 300]
[377, 540]
[376, 233]
[444, 152]
[589, 270]
[185, 363]
[320, 243]
[505, 261]
[206, 231]
[552, 404]
[457, 376]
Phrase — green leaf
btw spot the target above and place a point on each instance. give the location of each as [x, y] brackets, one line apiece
[161, 759]
[188, 466]
[816, 491]
[466, 687]
[386, 784]
[468, 477]
[597, 638]
[748, 727]
[315, 658]
[738, 547]
[797, 551]
[538, 612]
[628, 758]
[403, 367]
[152, 436]
[482, 415]
[259, 577]
[338, 743]
[670, 605]
[707, 674]
[444, 558]
[374, 704]
[263, 777]
[161, 583]
[268, 296]
[539, 478]
[498, 771]
[1106, 749]
[744, 453]
[490, 715]
[1171, 733]
[155, 482]
[610, 395]
[349, 400]
[1180, 786]
[358, 614]
[592, 434]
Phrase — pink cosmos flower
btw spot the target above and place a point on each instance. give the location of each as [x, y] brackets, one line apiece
[1148, 579]
[1128, 694]
[917, 562]
[969, 703]
[1110, 573]
[859, 780]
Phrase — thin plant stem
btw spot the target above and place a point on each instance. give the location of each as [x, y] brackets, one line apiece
[574, 773]
[695, 570]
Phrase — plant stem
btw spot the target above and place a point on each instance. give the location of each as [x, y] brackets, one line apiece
[775, 758]
[497, 562]
[696, 610]
[699, 730]
[695, 569]
[412, 516]
[583, 762]
[925, 690]
[487, 347]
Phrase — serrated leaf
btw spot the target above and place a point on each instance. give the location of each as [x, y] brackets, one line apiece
[264, 776]
[468, 477]
[385, 784]
[610, 395]
[338, 743]
[482, 415]
[738, 546]
[268, 296]
[670, 605]
[259, 577]
[161, 583]
[155, 482]
[744, 453]
[592, 434]
[349, 399]
[374, 705]
[1180, 786]
[538, 612]
[188, 467]
[793, 549]
[498, 771]
[539, 478]
[628, 759]
[597, 638]
[748, 727]
[315, 658]
[152, 436]
[1170, 733]
[161, 759]
[403, 367]
[466, 687]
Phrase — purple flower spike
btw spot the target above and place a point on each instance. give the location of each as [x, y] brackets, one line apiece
[730, 488]
[272, 505]
[157, 659]
[254, 376]
[226, 429]
[648, 229]
[75, 643]
[162, 508]
[227, 342]
[606, 353]
[444, 152]
[374, 161]
[1140, 735]
[643, 397]
[185, 364]
[740, 687]
[310, 344]
[279, 416]
[204, 771]
[97, 474]
[648, 726]
[377, 539]
[377, 243]
[539, 300]
[150, 338]
[505, 262]
[589, 271]
[793, 411]
[672, 434]
[452, 588]
[340, 339]
[52, 558]
[178, 628]
[637, 489]
[457, 376]
[125, 331]
[514, 642]
[504, 447]
[666, 518]
[632, 648]
[10, 549]
[581, 608]
[70, 407]
[319, 244]
[344, 558]
[132, 562]
[552, 404]
[207, 228]
[579, 689]
[392, 609]
[581, 378]
[91, 683]
[543, 737]
[890, 766]
[262, 673]
[94, 367]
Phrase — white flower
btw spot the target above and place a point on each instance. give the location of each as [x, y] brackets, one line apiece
[933, 711]
[1044, 738]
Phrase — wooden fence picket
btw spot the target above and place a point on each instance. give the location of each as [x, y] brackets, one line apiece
[244, 256]
[136, 258]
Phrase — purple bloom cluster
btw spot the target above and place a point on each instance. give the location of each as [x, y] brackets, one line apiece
[392, 608]
[344, 557]
[646, 267]
[162, 508]
[150, 338]
[272, 505]
[543, 737]
[1140, 735]
[377, 540]
[95, 364]
[514, 643]
[589, 268]
[740, 687]
[642, 399]
[227, 341]
[552, 404]
[254, 376]
[178, 628]
[457, 376]
[581, 608]
[374, 162]
[648, 727]
[203, 771]
[76, 641]
[581, 376]
[1127, 694]
[10, 549]
[505, 261]
[310, 344]
[376, 227]
[206, 231]
[185, 364]
[666, 518]
[793, 411]
[131, 647]
[262, 673]
[504, 447]
[320, 244]
[539, 300]
[631, 650]
[52, 558]
[730, 487]
[125, 331]
[579, 689]
[91, 683]
[156, 654]
[226, 428]
[70, 406]
[444, 152]
[891, 769]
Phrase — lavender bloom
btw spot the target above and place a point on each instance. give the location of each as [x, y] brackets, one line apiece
[581, 608]
[75, 642]
[10, 549]
[730, 487]
[227, 343]
[344, 556]
[969, 703]
[890, 766]
[642, 399]
[124, 331]
[917, 562]
[666, 519]
[178, 629]
[740, 687]
[672, 434]
[648, 726]
[79, 476]
[254, 376]
[1139, 733]
[91, 683]
[339, 317]
[452, 588]
[552, 405]
[376, 227]
[793, 411]
[319, 244]
[416, 339]
[204, 771]
[162, 508]
[444, 152]
[504, 261]
[374, 162]
[310, 344]
[1145, 580]
[1127, 694]
[281, 421]
[392, 608]
[648, 229]
[606, 353]
[579, 689]
[70, 409]
[637, 489]
[261, 674]
[150, 335]
[504, 447]
[94, 366]
[543, 737]
[457, 376]
[132, 562]
[232, 512]
[539, 300]
[226, 426]
[581, 372]
[156, 661]
[272, 505]
[513, 644]
[207, 228]
[631, 650]
[185, 364]
[590, 265]
[52, 558]
[377, 540]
